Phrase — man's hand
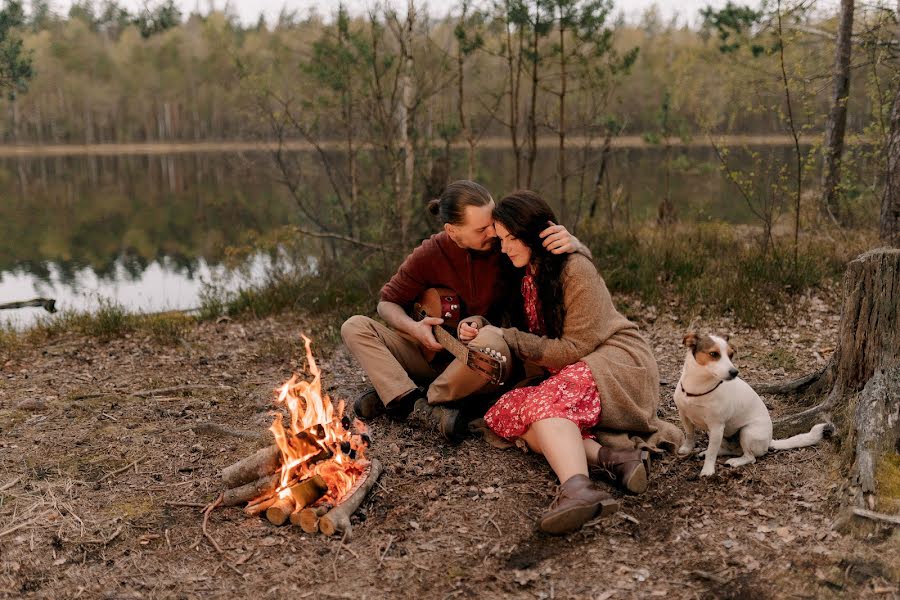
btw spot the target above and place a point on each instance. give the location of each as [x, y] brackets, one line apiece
[558, 240]
[467, 332]
[424, 333]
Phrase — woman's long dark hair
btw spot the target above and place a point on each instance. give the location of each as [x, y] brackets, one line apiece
[525, 215]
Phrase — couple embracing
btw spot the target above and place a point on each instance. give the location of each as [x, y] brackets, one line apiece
[582, 386]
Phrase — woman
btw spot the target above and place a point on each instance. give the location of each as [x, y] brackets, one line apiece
[601, 371]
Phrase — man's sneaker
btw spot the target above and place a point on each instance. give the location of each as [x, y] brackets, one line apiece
[368, 405]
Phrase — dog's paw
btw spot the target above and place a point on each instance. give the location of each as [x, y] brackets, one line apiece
[701, 454]
[685, 450]
[707, 472]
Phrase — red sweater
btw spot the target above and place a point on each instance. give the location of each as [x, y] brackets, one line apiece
[439, 262]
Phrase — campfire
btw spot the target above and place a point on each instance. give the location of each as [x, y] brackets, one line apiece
[316, 474]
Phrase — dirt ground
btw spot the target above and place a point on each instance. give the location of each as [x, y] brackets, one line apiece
[88, 473]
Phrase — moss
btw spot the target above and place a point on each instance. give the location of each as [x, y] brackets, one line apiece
[887, 476]
[131, 509]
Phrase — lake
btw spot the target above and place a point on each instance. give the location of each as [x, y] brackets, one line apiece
[148, 231]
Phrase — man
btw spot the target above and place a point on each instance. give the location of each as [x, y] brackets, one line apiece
[464, 257]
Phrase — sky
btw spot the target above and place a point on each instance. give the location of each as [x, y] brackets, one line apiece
[248, 10]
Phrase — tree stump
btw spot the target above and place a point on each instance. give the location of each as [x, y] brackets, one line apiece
[862, 380]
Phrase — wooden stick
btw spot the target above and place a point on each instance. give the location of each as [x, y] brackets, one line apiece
[263, 462]
[252, 511]
[206, 512]
[280, 510]
[249, 491]
[876, 516]
[122, 470]
[337, 520]
[179, 388]
[6, 486]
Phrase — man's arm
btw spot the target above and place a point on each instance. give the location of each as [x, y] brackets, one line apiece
[394, 315]
[558, 240]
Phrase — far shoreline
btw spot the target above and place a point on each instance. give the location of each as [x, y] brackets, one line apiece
[487, 143]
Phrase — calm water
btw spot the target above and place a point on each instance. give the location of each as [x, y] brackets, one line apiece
[148, 231]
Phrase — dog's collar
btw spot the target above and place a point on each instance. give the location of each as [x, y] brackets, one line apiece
[687, 393]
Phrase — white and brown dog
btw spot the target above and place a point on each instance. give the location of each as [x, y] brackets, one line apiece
[711, 397]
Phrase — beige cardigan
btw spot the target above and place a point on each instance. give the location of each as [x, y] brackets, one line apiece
[618, 355]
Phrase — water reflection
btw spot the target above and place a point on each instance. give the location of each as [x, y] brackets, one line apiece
[147, 231]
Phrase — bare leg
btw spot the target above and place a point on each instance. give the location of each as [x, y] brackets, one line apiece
[559, 440]
[591, 449]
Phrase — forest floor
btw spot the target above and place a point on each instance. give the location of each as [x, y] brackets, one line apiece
[89, 473]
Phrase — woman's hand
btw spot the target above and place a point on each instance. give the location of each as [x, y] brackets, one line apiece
[467, 332]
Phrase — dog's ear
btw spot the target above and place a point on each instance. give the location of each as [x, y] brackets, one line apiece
[690, 340]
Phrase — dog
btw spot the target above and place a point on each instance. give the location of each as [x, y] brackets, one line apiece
[711, 397]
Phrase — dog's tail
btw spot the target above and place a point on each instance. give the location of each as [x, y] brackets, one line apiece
[815, 435]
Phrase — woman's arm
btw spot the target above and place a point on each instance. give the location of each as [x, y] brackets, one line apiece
[587, 303]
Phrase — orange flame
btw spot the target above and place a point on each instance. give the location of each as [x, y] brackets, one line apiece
[316, 430]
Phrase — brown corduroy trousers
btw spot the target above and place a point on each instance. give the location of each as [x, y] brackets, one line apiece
[395, 364]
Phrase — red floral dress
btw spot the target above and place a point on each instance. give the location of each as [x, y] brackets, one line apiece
[569, 393]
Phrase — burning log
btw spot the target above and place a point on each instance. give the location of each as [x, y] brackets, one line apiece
[283, 480]
[308, 491]
[301, 495]
[245, 493]
[337, 520]
[264, 462]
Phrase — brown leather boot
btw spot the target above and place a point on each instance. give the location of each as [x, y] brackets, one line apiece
[628, 468]
[445, 419]
[577, 502]
[368, 405]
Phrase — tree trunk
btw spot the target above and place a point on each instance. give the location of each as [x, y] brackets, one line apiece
[406, 123]
[837, 118]
[889, 229]
[563, 176]
[514, 66]
[862, 379]
[869, 330]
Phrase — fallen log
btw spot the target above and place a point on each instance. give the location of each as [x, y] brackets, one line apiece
[48, 304]
[249, 491]
[260, 464]
[337, 520]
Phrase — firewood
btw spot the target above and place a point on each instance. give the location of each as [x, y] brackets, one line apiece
[308, 491]
[254, 489]
[264, 462]
[308, 518]
[280, 510]
[337, 520]
[254, 509]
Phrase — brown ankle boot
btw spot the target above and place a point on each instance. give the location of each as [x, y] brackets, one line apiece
[577, 502]
[628, 468]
